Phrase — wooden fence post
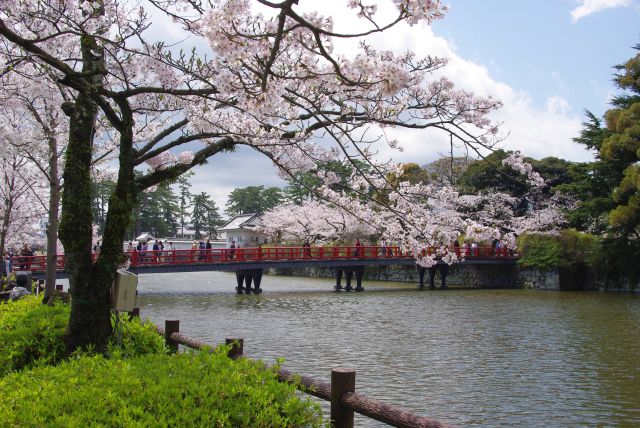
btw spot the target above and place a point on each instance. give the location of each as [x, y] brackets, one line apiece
[170, 327]
[237, 347]
[342, 380]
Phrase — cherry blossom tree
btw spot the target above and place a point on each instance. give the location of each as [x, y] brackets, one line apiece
[32, 98]
[273, 81]
[20, 187]
[422, 216]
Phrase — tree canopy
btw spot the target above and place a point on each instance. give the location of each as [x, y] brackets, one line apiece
[273, 82]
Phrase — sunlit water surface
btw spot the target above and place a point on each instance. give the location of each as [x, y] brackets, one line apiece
[467, 357]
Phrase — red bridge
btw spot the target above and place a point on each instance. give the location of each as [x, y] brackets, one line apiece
[248, 263]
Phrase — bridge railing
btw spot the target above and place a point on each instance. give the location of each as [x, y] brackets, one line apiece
[228, 255]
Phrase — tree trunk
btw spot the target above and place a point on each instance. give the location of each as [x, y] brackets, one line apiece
[52, 228]
[89, 322]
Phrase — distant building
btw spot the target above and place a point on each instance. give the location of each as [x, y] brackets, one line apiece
[187, 232]
[242, 230]
[145, 237]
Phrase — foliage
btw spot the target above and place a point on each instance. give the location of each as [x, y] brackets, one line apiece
[303, 186]
[609, 188]
[490, 173]
[157, 212]
[446, 170]
[617, 261]
[191, 389]
[135, 337]
[592, 183]
[253, 199]
[184, 187]
[7, 281]
[205, 216]
[565, 250]
[31, 334]
[101, 189]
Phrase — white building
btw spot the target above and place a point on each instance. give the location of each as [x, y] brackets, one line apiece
[242, 229]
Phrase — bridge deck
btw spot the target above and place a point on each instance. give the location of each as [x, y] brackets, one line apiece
[228, 259]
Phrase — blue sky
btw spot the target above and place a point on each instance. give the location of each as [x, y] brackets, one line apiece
[547, 60]
[535, 45]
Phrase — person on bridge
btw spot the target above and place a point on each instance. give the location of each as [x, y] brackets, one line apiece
[383, 245]
[25, 261]
[208, 246]
[156, 249]
[307, 248]
[232, 249]
[358, 248]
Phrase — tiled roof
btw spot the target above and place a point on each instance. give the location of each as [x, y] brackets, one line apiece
[242, 221]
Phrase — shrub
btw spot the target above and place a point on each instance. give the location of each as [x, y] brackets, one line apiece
[191, 389]
[135, 337]
[565, 250]
[31, 334]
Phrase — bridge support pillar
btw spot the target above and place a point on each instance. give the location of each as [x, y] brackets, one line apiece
[349, 275]
[441, 268]
[432, 277]
[359, 271]
[246, 277]
[348, 272]
[240, 281]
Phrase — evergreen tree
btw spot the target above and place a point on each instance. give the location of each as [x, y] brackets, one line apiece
[253, 199]
[101, 189]
[206, 217]
[185, 202]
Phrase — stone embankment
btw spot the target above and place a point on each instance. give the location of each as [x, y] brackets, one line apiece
[460, 276]
[481, 276]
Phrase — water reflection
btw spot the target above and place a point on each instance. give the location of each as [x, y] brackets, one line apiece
[469, 357]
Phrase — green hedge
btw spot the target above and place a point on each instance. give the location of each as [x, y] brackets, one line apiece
[567, 249]
[31, 334]
[187, 390]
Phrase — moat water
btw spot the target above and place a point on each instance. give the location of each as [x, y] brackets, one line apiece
[466, 357]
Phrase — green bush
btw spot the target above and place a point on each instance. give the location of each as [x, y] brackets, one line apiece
[31, 334]
[567, 250]
[135, 337]
[6, 281]
[192, 389]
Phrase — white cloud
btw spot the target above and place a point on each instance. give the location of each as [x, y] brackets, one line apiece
[587, 7]
[557, 105]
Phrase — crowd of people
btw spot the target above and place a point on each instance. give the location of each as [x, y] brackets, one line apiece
[161, 251]
[16, 257]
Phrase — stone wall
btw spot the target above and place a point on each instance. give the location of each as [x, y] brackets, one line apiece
[539, 280]
[470, 276]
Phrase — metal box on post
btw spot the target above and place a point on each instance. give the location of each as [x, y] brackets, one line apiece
[124, 291]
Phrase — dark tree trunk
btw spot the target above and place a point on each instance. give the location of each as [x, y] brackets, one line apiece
[89, 323]
[52, 227]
